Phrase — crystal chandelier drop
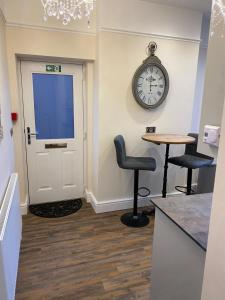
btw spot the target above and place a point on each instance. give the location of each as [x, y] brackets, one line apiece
[218, 16]
[67, 10]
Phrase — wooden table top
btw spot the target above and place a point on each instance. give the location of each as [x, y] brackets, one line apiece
[168, 138]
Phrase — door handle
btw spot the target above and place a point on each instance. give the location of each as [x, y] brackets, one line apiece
[29, 135]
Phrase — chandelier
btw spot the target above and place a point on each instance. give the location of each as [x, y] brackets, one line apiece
[218, 16]
[67, 10]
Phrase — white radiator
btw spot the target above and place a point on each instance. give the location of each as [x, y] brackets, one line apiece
[10, 238]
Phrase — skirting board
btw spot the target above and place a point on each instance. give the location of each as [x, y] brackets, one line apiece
[106, 206]
[120, 204]
[24, 207]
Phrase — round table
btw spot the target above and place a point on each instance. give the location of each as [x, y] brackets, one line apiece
[167, 139]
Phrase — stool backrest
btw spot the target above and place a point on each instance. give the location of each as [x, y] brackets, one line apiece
[191, 149]
[120, 150]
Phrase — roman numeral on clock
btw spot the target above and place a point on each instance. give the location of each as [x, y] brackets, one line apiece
[141, 95]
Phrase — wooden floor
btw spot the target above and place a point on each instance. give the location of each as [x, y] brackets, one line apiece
[84, 256]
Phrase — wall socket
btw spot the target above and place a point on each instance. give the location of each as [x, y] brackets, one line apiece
[151, 129]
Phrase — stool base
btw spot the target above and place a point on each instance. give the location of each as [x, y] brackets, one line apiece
[130, 220]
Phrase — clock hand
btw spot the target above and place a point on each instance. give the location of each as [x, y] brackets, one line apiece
[150, 79]
[152, 85]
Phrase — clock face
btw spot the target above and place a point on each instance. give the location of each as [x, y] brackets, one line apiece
[150, 85]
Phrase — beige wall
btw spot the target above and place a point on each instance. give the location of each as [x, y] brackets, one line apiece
[122, 39]
[30, 13]
[42, 44]
[119, 56]
[144, 17]
[6, 144]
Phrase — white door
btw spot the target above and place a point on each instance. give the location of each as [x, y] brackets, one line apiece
[53, 113]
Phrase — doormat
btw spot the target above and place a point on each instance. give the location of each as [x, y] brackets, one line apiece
[56, 209]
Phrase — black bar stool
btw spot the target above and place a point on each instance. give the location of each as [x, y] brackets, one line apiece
[191, 160]
[133, 219]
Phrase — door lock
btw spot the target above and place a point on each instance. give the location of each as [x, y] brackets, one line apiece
[29, 135]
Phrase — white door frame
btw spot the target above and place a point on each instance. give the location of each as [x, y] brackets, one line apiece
[21, 111]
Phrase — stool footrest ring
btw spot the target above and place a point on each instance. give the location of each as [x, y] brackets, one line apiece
[144, 189]
[183, 189]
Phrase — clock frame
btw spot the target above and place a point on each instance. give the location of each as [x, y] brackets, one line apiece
[151, 61]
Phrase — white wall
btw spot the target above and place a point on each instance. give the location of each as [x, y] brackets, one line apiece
[200, 5]
[214, 90]
[6, 145]
[213, 286]
[213, 113]
[42, 44]
[199, 86]
[122, 39]
[119, 47]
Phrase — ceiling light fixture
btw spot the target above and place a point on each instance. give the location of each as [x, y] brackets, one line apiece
[67, 10]
[218, 16]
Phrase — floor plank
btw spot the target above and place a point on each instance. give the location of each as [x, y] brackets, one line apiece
[84, 256]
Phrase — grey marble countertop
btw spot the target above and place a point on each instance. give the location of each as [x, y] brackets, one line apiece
[190, 213]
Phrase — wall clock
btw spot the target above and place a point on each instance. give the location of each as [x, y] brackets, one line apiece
[150, 83]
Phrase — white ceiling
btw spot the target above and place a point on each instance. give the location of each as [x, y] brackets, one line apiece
[200, 5]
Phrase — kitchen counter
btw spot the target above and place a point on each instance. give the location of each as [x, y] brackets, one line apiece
[179, 246]
[190, 213]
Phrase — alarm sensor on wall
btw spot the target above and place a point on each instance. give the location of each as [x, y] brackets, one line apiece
[211, 135]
